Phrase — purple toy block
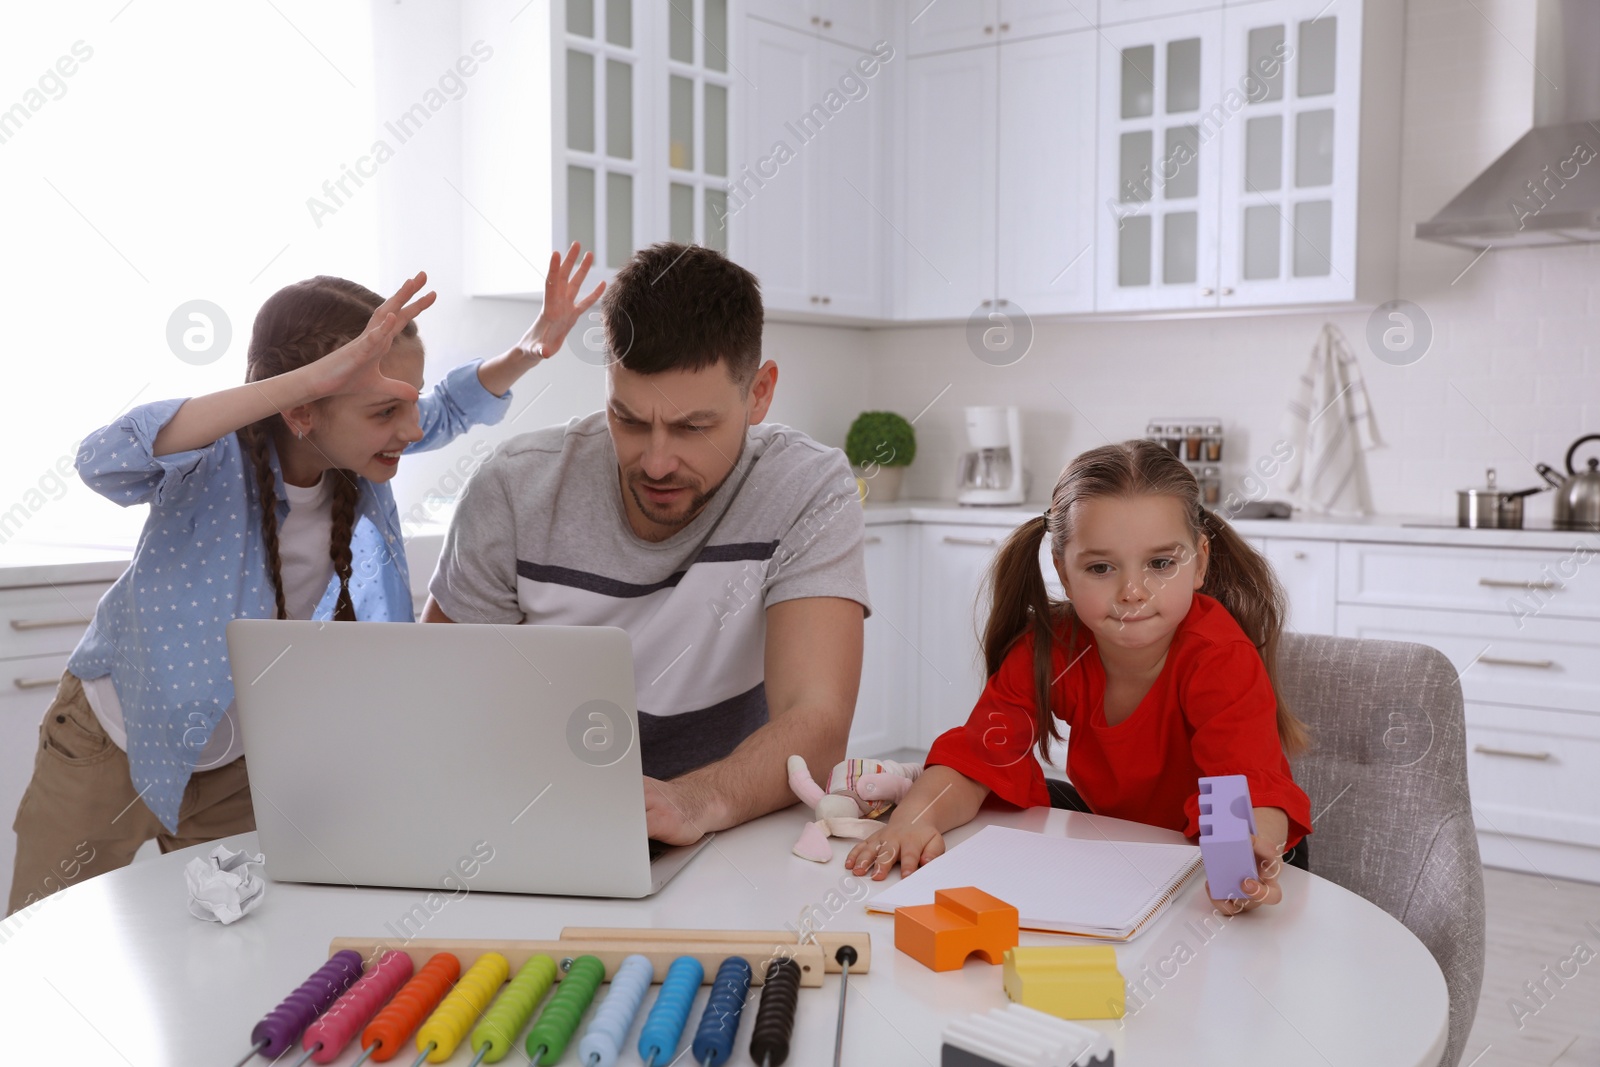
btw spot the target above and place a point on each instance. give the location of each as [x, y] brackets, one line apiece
[1226, 823]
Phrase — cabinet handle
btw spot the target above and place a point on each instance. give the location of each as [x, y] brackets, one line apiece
[1005, 27]
[988, 29]
[988, 303]
[827, 300]
[1299, 554]
[984, 542]
[816, 20]
[816, 299]
[1501, 583]
[1227, 290]
[1208, 291]
[1503, 661]
[45, 624]
[34, 683]
[1003, 302]
[1488, 751]
[827, 24]
[874, 540]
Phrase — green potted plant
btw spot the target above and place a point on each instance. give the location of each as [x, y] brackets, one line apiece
[880, 446]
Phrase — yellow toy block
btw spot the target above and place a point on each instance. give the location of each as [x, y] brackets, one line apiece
[1069, 982]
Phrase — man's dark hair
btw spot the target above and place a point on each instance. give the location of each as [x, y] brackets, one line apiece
[684, 307]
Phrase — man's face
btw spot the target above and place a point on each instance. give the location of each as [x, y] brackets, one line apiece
[678, 435]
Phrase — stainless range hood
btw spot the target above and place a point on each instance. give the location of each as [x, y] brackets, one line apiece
[1545, 190]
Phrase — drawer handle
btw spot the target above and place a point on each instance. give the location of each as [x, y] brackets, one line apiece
[1501, 583]
[983, 542]
[874, 540]
[1506, 661]
[34, 683]
[1487, 751]
[46, 624]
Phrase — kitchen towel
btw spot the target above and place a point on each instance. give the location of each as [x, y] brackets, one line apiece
[1331, 427]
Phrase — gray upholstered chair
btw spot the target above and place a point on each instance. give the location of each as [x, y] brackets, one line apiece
[1387, 777]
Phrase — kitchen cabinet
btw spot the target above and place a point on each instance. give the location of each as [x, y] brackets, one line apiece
[1240, 163]
[950, 671]
[1115, 11]
[951, 24]
[1001, 130]
[860, 23]
[1522, 627]
[1307, 569]
[885, 701]
[807, 209]
[599, 121]
[39, 628]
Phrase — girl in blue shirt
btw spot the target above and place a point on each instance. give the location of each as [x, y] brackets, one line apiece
[268, 500]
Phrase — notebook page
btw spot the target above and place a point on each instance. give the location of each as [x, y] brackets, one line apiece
[1055, 883]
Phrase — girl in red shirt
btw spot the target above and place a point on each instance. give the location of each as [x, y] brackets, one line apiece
[1161, 660]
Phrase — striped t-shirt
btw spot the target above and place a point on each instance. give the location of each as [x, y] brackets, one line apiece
[541, 536]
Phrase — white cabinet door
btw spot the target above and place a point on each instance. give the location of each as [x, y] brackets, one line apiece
[771, 202]
[940, 25]
[1291, 72]
[1035, 18]
[847, 245]
[886, 700]
[1112, 11]
[1308, 571]
[953, 561]
[1158, 163]
[947, 258]
[1045, 218]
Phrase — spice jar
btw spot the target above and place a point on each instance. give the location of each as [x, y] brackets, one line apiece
[1213, 443]
[1191, 443]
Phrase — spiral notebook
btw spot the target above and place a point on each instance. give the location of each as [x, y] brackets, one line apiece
[1065, 885]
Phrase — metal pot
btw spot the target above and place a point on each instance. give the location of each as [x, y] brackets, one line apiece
[1492, 508]
[1578, 494]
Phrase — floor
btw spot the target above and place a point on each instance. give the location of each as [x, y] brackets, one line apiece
[1534, 923]
[1537, 923]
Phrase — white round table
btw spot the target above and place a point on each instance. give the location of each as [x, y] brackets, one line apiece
[116, 970]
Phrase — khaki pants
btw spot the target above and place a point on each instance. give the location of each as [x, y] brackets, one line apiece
[81, 815]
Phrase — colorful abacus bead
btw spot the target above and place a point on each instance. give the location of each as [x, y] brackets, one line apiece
[387, 1034]
[658, 1041]
[438, 1037]
[549, 1036]
[719, 1023]
[608, 1030]
[278, 1030]
[780, 993]
[513, 1008]
[356, 1008]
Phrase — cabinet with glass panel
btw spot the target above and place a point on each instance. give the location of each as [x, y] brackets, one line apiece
[1247, 157]
[604, 122]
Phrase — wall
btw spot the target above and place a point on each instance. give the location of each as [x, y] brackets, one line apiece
[1512, 376]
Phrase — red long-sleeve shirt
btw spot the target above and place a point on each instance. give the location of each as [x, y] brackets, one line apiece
[1210, 711]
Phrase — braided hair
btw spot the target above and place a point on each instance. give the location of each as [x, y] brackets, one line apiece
[297, 325]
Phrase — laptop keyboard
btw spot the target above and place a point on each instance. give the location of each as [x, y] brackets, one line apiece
[657, 848]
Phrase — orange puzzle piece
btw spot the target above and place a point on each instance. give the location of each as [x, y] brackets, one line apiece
[959, 922]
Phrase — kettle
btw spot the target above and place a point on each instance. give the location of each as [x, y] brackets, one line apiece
[1578, 494]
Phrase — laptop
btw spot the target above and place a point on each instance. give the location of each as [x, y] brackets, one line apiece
[447, 757]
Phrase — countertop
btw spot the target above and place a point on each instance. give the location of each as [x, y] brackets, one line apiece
[1401, 529]
[24, 564]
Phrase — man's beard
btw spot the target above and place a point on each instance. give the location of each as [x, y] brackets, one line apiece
[694, 508]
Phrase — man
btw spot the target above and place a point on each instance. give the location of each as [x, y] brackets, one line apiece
[730, 549]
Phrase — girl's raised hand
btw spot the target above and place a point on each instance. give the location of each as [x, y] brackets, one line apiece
[562, 308]
[354, 367]
[911, 845]
[1262, 889]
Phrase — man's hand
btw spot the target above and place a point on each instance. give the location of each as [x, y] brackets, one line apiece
[674, 813]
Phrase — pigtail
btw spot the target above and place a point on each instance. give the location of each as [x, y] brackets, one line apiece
[1019, 607]
[345, 491]
[1241, 580]
[253, 443]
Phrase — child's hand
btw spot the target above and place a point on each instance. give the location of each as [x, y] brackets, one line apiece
[1263, 889]
[354, 367]
[561, 305]
[913, 845]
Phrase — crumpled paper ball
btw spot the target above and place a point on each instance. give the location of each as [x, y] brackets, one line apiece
[225, 886]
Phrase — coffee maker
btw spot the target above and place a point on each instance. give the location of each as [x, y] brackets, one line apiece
[991, 472]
